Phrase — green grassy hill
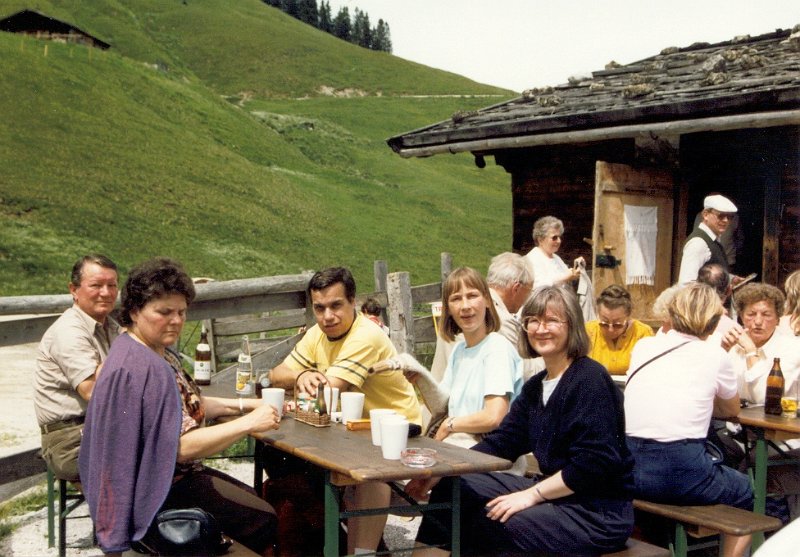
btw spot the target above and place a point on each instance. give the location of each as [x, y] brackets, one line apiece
[203, 134]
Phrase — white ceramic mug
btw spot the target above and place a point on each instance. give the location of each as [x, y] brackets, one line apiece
[274, 396]
[394, 436]
[375, 416]
[331, 403]
[352, 406]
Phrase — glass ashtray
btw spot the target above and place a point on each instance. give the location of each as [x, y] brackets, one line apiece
[418, 457]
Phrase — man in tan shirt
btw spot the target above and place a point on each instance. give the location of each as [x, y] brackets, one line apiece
[68, 361]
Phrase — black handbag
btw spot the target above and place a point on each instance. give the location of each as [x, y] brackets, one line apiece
[178, 532]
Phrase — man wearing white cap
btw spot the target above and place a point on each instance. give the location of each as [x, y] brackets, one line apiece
[702, 246]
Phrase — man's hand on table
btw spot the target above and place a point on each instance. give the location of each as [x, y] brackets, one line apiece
[309, 381]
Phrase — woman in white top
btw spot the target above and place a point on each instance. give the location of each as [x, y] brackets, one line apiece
[753, 346]
[484, 370]
[676, 382]
[548, 268]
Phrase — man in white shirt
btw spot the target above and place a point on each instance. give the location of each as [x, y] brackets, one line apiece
[701, 246]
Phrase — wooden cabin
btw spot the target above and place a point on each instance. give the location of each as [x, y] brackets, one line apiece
[663, 132]
[31, 22]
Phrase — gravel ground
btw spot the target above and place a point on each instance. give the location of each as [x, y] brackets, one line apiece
[29, 539]
[19, 431]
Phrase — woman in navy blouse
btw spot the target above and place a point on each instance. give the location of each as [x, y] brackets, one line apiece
[571, 417]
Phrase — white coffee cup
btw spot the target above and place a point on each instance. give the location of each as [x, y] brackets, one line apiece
[331, 403]
[375, 416]
[352, 406]
[274, 396]
[394, 436]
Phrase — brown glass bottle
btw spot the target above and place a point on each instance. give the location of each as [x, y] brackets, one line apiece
[772, 401]
[202, 361]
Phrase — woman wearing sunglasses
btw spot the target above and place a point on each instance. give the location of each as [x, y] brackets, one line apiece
[548, 267]
[614, 334]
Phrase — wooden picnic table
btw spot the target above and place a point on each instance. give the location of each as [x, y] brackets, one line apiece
[349, 457]
[766, 428]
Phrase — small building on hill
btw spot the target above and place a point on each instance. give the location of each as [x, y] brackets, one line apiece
[30, 22]
[650, 139]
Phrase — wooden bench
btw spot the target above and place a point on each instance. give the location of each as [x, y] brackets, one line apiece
[638, 548]
[700, 521]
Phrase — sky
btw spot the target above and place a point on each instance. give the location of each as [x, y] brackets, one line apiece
[520, 44]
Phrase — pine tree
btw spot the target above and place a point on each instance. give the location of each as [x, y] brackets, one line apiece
[362, 34]
[325, 22]
[341, 24]
[381, 39]
[307, 11]
[292, 8]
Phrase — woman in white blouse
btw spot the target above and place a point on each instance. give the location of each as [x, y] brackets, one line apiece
[676, 382]
[548, 268]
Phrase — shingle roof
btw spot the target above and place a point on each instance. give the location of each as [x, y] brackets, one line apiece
[743, 75]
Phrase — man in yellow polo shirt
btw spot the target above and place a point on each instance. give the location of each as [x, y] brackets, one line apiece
[341, 348]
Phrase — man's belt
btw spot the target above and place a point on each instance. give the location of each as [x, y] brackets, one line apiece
[61, 424]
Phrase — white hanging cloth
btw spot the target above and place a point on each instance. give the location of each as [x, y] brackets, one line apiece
[641, 230]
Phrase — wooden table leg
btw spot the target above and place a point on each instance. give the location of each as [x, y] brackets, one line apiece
[759, 484]
[456, 518]
[331, 548]
[258, 468]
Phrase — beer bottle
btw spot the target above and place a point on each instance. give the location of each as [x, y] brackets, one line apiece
[772, 401]
[202, 360]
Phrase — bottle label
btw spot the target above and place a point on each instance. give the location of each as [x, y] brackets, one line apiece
[243, 384]
[202, 370]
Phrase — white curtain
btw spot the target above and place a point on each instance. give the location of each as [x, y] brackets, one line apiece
[641, 230]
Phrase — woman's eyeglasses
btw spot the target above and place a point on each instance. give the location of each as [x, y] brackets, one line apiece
[555, 237]
[531, 324]
[613, 326]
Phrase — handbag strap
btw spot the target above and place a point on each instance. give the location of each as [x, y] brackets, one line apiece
[654, 358]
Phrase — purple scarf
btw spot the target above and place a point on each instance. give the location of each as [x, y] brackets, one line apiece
[130, 443]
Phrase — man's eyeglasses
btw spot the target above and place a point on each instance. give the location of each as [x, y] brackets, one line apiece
[613, 326]
[531, 324]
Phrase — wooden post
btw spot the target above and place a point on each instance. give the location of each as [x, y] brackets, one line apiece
[209, 326]
[447, 265]
[772, 229]
[401, 313]
[380, 270]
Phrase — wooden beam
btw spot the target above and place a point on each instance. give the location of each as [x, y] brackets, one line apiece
[24, 330]
[674, 127]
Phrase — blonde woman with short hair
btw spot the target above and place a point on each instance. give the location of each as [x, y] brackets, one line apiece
[676, 383]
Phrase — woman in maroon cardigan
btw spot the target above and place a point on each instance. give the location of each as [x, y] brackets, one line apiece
[145, 431]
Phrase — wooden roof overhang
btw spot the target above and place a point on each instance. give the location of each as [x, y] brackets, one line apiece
[736, 84]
